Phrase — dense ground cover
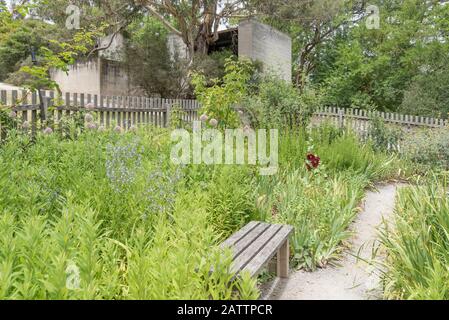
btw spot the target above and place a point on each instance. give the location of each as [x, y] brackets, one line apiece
[418, 243]
[107, 216]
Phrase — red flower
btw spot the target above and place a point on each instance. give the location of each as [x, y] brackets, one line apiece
[313, 161]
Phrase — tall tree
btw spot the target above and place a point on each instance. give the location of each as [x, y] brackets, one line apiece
[197, 22]
[310, 23]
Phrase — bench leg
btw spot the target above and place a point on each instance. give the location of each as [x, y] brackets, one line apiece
[283, 260]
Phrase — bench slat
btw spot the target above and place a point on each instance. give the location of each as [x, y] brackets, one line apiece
[236, 237]
[269, 251]
[254, 248]
[246, 241]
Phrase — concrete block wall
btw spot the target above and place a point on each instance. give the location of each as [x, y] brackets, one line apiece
[83, 77]
[273, 48]
[97, 76]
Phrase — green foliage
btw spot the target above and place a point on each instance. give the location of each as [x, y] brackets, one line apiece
[427, 95]
[320, 204]
[64, 217]
[276, 104]
[212, 65]
[217, 101]
[16, 41]
[429, 148]
[418, 245]
[58, 55]
[157, 73]
[384, 138]
[401, 66]
[231, 199]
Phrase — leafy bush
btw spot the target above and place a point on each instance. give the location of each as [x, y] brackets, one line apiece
[110, 214]
[384, 138]
[429, 148]
[418, 245]
[218, 101]
[276, 103]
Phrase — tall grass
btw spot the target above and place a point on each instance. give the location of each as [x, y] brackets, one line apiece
[418, 244]
[109, 214]
[105, 217]
[321, 204]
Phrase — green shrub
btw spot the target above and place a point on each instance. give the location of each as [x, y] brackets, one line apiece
[218, 101]
[429, 148]
[384, 138]
[277, 104]
[346, 153]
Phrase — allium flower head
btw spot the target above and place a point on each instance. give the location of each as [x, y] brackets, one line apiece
[26, 125]
[88, 117]
[118, 129]
[213, 122]
[13, 114]
[91, 126]
[204, 118]
[90, 106]
[48, 130]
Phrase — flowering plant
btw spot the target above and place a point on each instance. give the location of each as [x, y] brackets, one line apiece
[313, 161]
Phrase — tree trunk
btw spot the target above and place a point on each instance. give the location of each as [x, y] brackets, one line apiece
[201, 42]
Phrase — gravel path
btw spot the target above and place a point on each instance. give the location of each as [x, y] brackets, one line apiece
[354, 279]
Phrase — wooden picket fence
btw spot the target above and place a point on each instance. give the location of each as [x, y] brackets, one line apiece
[359, 119]
[129, 111]
[109, 110]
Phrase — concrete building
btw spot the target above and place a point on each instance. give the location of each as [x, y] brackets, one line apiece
[267, 45]
[105, 75]
[102, 74]
[254, 40]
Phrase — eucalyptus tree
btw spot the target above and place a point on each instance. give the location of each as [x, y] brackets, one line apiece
[310, 24]
[197, 22]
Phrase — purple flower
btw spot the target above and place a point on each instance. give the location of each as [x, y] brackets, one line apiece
[213, 122]
[13, 114]
[91, 126]
[48, 130]
[118, 129]
[204, 118]
[26, 125]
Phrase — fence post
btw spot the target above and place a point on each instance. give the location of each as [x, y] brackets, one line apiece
[167, 115]
[341, 118]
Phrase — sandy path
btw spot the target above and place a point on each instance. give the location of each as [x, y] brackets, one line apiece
[354, 279]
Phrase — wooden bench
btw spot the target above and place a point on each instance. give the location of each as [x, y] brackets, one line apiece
[256, 244]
